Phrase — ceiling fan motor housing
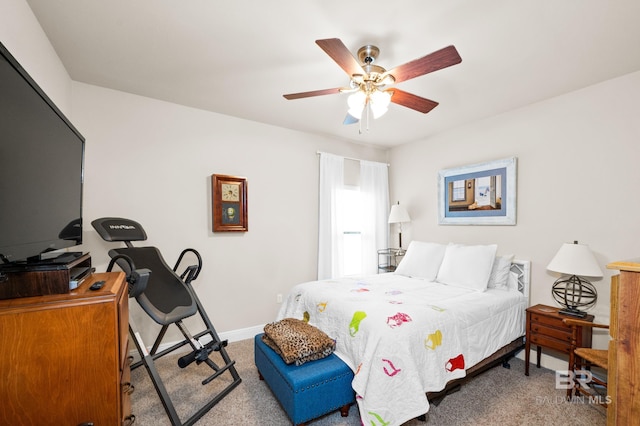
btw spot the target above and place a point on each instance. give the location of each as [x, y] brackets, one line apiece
[368, 54]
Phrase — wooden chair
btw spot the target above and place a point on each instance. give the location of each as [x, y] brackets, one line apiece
[581, 359]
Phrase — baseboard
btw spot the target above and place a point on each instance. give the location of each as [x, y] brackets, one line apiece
[231, 336]
[242, 334]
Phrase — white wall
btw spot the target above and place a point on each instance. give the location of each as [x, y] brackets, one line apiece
[577, 175]
[22, 35]
[152, 161]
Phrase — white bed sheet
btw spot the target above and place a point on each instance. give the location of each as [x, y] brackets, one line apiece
[404, 337]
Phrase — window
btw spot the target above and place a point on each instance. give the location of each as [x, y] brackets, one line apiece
[356, 213]
[458, 190]
[351, 211]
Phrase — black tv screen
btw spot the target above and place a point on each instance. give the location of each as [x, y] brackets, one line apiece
[41, 170]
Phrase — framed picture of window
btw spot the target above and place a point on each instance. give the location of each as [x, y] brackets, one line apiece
[478, 194]
[229, 203]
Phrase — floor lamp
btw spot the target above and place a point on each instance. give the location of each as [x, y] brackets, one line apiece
[399, 215]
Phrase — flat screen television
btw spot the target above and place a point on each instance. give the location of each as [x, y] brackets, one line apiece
[41, 171]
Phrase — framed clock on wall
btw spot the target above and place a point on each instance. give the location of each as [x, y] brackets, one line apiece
[229, 196]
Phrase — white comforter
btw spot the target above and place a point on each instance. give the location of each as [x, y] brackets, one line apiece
[404, 337]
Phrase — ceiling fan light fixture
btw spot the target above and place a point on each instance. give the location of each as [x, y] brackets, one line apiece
[379, 103]
[355, 113]
[378, 112]
[356, 80]
[356, 102]
[386, 79]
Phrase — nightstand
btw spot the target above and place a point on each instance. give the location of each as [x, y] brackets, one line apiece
[389, 258]
[546, 329]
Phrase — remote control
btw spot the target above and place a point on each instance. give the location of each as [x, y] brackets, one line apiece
[97, 285]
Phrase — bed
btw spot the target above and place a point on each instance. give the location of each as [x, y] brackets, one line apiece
[409, 333]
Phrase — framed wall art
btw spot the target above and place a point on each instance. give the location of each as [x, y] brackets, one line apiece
[229, 195]
[478, 194]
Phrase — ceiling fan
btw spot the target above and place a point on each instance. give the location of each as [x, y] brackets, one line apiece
[367, 81]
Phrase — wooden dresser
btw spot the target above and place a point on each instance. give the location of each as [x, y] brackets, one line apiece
[64, 357]
[624, 348]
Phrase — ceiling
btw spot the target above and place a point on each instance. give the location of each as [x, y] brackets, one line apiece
[239, 57]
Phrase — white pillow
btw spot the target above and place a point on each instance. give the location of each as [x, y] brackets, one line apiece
[422, 260]
[512, 282]
[467, 266]
[500, 271]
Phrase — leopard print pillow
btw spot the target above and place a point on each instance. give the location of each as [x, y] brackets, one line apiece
[296, 341]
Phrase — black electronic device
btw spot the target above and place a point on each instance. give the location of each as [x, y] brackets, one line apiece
[97, 285]
[41, 171]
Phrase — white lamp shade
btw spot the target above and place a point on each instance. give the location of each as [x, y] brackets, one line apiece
[398, 214]
[377, 111]
[575, 259]
[380, 103]
[356, 102]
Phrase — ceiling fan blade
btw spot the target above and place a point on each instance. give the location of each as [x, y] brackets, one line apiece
[412, 101]
[336, 49]
[350, 119]
[435, 61]
[300, 95]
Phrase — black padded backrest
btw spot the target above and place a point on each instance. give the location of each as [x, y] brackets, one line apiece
[119, 229]
[166, 298]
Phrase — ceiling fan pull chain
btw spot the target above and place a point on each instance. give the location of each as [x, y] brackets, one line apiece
[368, 107]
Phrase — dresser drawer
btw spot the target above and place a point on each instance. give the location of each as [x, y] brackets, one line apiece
[126, 389]
[123, 325]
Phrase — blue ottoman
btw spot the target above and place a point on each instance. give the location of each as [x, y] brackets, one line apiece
[307, 391]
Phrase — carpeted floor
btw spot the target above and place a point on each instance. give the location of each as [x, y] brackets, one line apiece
[499, 396]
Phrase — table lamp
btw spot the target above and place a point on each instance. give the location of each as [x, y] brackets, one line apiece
[399, 215]
[573, 292]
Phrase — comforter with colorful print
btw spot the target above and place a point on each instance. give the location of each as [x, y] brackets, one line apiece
[404, 337]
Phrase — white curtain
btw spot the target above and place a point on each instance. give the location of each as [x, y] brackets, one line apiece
[374, 188]
[330, 230]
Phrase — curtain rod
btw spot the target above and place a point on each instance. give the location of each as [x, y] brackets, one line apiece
[349, 158]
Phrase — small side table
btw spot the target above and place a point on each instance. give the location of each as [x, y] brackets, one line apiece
[546, 329]
[389, 258]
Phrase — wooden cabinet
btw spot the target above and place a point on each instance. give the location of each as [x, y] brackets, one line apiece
[64, 357]
[624, 362]
[546, 329]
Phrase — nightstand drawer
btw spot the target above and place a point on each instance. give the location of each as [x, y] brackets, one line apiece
[550, 342]
[556, 333]
[550, 321]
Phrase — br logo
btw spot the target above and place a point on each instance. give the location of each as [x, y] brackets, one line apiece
[569, 379]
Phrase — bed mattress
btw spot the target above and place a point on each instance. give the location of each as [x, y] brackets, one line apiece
[404, 336]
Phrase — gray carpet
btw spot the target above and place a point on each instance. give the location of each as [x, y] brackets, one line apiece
[499, 396]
